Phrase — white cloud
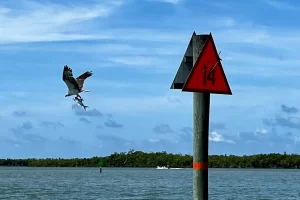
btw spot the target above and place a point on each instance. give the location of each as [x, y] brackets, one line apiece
[282, 39]
[295, 120]
[216, 137]
[55, 22]
[136, 60]
[4, 11]
[34, 22]
[255, 96]
[97, 49]
[169, 1]
[44, 22]
[18, 93]
[104, 84]
[219, 4]
[38, 24]
[224, 22]
[154, 35]
[281, 5]
[297, 139]
[17, 145]
[264, 66]
[153, 140]
[137, 105]
[261, 132]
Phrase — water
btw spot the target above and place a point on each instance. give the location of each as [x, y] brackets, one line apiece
[21, 183]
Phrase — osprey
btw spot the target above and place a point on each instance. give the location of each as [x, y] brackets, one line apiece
[75, 86]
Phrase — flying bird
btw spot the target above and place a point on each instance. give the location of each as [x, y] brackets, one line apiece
[75, 86]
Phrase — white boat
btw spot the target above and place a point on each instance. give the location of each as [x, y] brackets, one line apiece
[163, 167]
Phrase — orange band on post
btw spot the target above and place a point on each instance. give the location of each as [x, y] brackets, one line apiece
[200, 165]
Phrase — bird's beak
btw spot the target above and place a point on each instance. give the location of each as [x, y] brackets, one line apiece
[65, 95]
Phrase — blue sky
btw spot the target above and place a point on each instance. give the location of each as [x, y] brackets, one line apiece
[134, 48]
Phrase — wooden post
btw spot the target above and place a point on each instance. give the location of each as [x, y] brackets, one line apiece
[201, 107]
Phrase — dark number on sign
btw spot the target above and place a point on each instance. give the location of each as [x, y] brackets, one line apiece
[208, 75]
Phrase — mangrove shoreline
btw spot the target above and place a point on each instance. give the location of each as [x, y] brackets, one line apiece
[142, 159]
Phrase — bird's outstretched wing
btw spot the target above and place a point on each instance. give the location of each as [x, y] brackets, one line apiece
[69, 79]
[80, 79]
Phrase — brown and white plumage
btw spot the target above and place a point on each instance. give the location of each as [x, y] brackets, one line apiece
[75, 86]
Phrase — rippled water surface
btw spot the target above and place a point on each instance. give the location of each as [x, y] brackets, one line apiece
[21, 183]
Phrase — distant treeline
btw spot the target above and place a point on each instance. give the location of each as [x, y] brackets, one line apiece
[142, 159]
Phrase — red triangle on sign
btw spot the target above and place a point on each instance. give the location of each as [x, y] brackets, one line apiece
[207, 75]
